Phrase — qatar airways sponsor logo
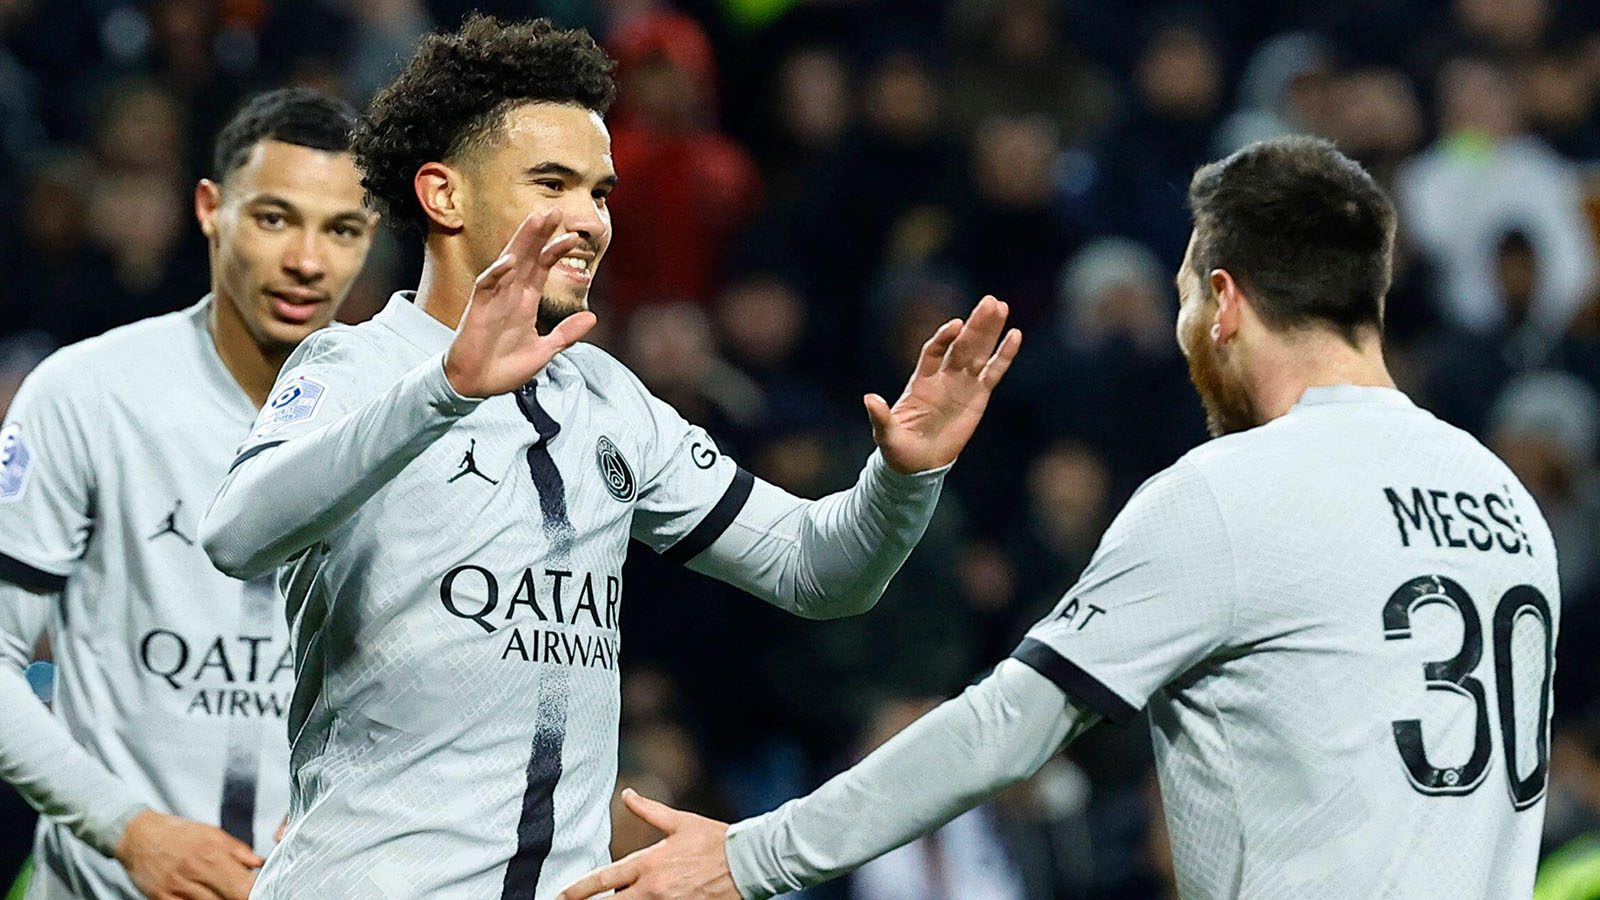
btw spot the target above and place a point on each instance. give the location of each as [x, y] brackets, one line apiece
[222, 675]
[555, 616]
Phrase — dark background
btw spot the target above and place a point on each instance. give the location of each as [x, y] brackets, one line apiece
[808, 189]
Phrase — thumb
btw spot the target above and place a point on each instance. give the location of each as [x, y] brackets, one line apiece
[571, 330]
[660, 815]
[878, 413]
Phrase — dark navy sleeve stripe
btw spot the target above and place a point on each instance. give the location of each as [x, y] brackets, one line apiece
[1040, 657]
[715, 523]
[20, 573]
[253, 451]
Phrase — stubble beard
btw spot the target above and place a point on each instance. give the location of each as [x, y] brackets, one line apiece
[1228, 406]
[554, 310]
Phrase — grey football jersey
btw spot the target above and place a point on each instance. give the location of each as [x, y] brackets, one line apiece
[455, 721]
[174, 676]
[1342, 623]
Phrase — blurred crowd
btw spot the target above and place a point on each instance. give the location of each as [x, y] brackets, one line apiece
[807, 190]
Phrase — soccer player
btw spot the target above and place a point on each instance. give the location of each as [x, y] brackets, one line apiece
[165, 768]
[1340, 613]
[453, 486]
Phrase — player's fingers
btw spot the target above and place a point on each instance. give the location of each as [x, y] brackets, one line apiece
[489, 278]
[557, 247]
[195, 890]
[233, 883]
[934, 349]
[995, 369]
[570, 330]
[619, 874]
[977, 338]
[532, 233]
[654, 812]
[877, 414]
[246, 856]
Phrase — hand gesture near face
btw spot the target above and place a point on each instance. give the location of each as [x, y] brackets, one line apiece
[498, 347]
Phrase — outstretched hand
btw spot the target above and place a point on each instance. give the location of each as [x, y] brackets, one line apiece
[948, 392]
[691, 863]
[498, 347]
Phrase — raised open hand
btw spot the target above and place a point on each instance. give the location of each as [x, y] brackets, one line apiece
[947, 394]
[498, 347]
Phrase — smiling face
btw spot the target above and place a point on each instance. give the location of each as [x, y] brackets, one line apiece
[544, 156]
[288, 235]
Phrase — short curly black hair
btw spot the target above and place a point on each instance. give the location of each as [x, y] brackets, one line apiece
[299, 116]
[454, 92]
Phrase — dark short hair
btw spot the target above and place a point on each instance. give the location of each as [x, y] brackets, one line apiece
[1302, 227]
[299, 116]
[455, 92]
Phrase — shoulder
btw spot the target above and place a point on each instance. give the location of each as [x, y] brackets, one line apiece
[339, 342]
[1178, 491]
[125, 357]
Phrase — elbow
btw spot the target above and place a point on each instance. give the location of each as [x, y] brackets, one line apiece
[840, 605]
[230, 557]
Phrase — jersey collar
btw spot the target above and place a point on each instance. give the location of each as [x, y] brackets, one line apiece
[1327, 395]
[402, 317]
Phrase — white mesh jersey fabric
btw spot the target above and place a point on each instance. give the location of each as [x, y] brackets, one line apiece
[1342, 624]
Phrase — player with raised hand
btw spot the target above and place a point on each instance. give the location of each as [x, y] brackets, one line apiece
[1341, 613]
[164, 771]
[457, 700]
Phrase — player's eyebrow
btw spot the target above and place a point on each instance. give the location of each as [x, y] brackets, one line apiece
[270, 200]
[565, 172]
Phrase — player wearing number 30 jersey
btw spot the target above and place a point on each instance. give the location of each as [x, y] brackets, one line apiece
[1340, 614]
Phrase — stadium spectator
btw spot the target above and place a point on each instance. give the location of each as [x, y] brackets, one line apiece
[1484, 175]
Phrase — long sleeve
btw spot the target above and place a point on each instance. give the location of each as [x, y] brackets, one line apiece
[825, 558]
[995, 734]
[37, 755]
[312, 461]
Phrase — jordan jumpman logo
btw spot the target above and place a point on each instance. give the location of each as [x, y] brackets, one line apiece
[169, 525]
[469, 465]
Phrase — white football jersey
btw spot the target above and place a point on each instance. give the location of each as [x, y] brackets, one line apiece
[175, 676]
[1343, 625]
[455, 722]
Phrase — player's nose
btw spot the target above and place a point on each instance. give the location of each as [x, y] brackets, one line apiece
[303, 258]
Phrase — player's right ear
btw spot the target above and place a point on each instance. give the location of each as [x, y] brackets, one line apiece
[207, 200]
[439, 192]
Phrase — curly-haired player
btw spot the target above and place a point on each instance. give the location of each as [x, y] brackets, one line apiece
[450, 490]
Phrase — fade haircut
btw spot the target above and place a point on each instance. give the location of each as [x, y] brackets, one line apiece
[1303, 228]
[299, 116]
[454, 95]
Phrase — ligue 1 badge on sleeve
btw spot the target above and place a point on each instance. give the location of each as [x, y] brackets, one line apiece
[295, 402]
[614, 469]
[14, 459]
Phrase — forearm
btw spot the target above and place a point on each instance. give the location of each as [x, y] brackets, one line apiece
[281, 498]
[37, 755]
[995, 734]
[830, 557]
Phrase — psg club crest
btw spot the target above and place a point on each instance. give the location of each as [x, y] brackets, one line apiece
[614, 469]
[14, 458]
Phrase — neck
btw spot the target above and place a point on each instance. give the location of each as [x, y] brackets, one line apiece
[1286, 367]
[253, 366]
[447, 280]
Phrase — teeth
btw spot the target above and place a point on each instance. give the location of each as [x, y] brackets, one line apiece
[577, 262]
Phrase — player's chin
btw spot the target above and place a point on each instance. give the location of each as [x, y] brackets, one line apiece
[560, 301]
[287, 332]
